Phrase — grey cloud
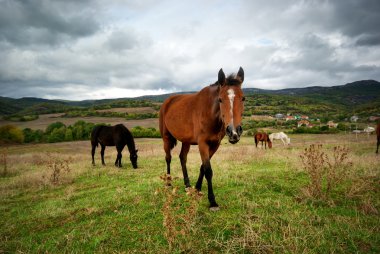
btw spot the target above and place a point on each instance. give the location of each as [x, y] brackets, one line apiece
[45, 22]
[356, 17]
[52, 48]
[369, 40]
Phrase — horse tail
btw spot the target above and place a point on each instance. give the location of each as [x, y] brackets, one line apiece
[173, 142]
[95, 134]
[163, 130]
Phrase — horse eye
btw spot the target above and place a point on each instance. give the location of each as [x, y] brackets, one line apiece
[220, 100]
[243, 99]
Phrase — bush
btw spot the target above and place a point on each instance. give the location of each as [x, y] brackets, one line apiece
[33, 136]
[140, 132]
[326, 172]
[57, 135]
[53, 126]
[11, 134]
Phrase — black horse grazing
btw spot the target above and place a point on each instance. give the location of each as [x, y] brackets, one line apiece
[118, 136]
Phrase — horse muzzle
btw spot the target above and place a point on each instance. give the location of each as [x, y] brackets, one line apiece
[234, 134]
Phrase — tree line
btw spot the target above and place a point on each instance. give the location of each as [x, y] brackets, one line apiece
[59, 132]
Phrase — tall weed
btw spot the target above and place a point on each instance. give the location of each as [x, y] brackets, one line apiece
[179, 215]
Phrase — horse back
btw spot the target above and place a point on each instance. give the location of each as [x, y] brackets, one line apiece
[181, 116]
[105, 135]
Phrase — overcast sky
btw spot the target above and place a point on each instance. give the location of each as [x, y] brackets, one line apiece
[69, 49]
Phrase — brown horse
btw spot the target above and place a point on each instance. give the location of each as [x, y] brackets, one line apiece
[264, 138]
[203, 119]
[378, 137]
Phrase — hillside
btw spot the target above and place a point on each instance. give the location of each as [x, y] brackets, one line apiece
[360, 97]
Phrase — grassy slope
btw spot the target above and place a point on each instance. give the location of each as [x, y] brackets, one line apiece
[103, 209]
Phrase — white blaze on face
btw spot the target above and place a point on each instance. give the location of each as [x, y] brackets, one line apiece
[231, 96]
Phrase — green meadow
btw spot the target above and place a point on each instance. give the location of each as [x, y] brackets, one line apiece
[52, 200]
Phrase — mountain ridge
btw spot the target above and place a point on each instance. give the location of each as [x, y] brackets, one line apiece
[350, 94]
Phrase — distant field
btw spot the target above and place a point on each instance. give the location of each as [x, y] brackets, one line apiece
[129, 110]
[264, 206]
[44, 120]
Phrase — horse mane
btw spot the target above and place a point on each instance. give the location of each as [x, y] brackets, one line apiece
[231, 80]
[129, 138]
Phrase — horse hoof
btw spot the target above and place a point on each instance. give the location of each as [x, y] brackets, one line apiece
[214, 208]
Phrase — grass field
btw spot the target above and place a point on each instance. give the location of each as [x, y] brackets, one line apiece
[53, 200]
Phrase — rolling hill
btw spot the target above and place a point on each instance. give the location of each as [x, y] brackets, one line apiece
[358, 97]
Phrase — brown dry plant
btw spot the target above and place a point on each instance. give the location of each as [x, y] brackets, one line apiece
[4, 158]
[179, 214]
[323, 168]
[57, 166]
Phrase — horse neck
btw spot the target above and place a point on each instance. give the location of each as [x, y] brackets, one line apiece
[130, 142]
[211, 102]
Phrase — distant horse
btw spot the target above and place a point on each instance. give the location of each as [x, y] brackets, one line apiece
[203, 119]
[264, 138]
[118, 136]
[280, 135]
[378, 137]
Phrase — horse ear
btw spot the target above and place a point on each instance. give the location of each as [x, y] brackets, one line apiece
[241, 74]
[221, 77]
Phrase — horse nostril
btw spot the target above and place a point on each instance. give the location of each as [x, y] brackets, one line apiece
[239, 130]
[229, 130]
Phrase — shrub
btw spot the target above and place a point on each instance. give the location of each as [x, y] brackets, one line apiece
[53, 126]
[325, 172]
[57, 135]
[11, 134]
[140, 132]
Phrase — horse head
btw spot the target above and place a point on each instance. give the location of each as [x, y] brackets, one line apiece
[231, 101]
[133, 157]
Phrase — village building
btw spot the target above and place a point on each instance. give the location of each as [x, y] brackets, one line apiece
[331, 124]
[303, 122]
[279, 116]
[354, 118]
[290, 118]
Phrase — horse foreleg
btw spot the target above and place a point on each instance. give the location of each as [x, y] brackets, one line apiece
[212, 151]
[198, 186]
[283, 141]
[206, 165]
[102, 154]
[378, 143]
[183, 157]
[119, 149]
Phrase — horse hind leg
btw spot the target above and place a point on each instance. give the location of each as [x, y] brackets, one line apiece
[102, 154]
[93, 154]
[169, 143]
[378, 144]
[183, 157]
